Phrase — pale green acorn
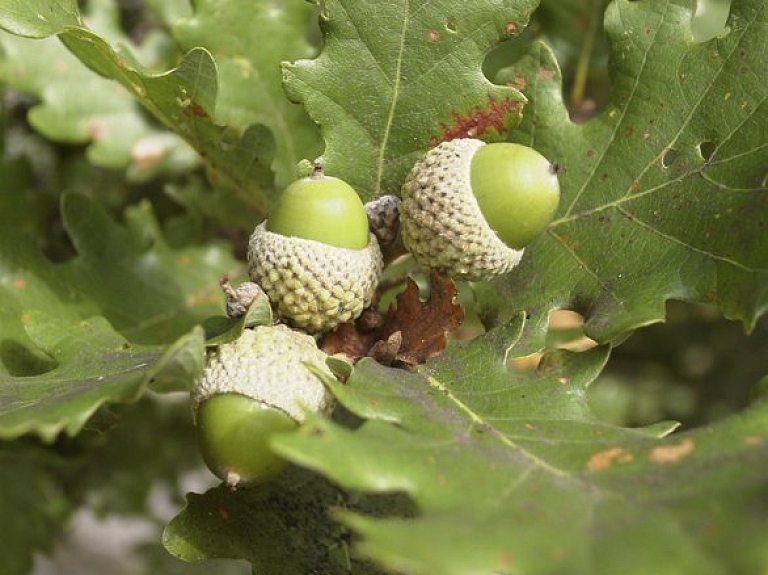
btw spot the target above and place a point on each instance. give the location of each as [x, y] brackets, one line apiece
[252, 388]
[315, 256]
[469, 208]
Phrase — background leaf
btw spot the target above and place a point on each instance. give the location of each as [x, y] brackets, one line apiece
[80, 107]
[38, 18]
[33, 505]
[184, 100]
[60, 363]
[248, 39]
[94, 365]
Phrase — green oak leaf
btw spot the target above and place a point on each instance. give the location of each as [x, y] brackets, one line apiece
[511, 473]
[394, 78]
[663, 192]
[149, 291]
[248, 39]
[38, 18]
[33, 504]
[183, 99]
[94, 365]
[281, 527]
[61, 356]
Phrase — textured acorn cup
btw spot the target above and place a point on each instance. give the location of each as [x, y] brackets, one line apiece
[315, 256]
[469, 208]
[252, 388]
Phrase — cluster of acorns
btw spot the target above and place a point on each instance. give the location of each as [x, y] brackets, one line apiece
[468, 210]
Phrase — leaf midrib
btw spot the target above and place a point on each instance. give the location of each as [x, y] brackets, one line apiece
[380, 160]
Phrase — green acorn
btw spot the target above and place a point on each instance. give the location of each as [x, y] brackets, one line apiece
[252, 388]
[315, 256]
[469, 208]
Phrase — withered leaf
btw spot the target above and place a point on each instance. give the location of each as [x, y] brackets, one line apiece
[423, 326]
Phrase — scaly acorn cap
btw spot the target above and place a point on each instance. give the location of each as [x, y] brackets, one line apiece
[252, 389]
[441, 222]
[384, 218]
[266, 364]
[315, 286]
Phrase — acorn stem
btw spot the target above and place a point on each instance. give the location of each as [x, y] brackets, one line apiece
[317, 171]
[226, 287]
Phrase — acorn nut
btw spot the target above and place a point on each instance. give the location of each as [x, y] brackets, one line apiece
[315, 256]
[251, 389]
[469, 208]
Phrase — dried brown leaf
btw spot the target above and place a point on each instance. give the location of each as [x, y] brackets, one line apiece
[423, 326]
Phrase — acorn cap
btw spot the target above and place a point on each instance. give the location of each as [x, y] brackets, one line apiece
[441, 222]
[384, 218]
[315, 286]
[266, 363]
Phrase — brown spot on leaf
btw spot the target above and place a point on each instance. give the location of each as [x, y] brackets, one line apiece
[518, 82]
[510, 28]
[433, 35]
[478, 122]
[423, 327]
[194, 109]
[224, 514]
[605, 459]
[20, 282]
[753, 440]
[545, 73]
[671, 453]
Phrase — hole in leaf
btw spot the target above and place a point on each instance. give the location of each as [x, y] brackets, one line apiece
[451, 25]
[525, 363]
[501, 64]
[565, 330]
[709, 20]
[696, 367]
[668, 158]
[706, 149]
[20, 361]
